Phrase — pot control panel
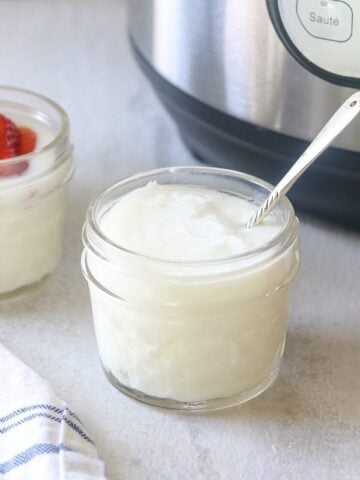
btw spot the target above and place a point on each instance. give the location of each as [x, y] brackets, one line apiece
[324, 35]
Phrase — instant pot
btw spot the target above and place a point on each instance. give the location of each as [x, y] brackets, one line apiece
[251, 82]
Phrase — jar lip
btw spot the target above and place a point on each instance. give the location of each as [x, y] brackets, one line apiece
[284, 233]
[63, 131]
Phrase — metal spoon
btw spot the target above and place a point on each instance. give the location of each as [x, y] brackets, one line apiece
[341, 118]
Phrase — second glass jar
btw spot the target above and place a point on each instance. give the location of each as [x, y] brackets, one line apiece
[33, 202]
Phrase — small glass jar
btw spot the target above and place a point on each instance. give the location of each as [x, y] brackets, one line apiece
[32, 202]
[197, 335]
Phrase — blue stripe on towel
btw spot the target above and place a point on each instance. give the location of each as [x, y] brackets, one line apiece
[71, 424]
[52, 408]
[32, 452]
[78, 430]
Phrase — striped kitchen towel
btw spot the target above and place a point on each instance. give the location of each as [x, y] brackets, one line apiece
[41, 438]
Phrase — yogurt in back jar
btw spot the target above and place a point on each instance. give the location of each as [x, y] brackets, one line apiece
[35, 166]
[190, 309]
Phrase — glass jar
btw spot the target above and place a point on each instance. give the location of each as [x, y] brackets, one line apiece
[197, 335]
[32, 202]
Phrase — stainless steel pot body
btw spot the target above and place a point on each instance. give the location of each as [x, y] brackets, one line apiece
[228, 55]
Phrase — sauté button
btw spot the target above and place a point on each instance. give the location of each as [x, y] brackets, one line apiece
[326, 19]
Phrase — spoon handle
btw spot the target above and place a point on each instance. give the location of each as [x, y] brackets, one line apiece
[341, 118]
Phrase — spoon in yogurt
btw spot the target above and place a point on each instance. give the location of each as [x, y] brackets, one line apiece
[337, 123]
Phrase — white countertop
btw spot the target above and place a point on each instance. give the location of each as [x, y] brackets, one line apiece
[307, 426]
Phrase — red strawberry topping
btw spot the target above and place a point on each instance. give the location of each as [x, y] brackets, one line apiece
[27, 141]
[9, 138]
[14, 169]
[14, 141]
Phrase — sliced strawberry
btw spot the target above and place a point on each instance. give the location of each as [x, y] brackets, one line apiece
[27, 142]
[15, 169]
[9, 138]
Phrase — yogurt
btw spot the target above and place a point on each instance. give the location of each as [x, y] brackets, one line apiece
[189, 307]
[185, 223]
[32, 204]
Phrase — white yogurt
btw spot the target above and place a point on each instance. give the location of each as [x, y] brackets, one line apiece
[185, 223]
[203, 329]
[32, 205]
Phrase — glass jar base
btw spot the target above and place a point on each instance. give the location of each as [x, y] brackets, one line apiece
[200, 406]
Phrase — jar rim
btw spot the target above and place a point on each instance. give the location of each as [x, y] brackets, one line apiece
[63, 130]
[286, 233]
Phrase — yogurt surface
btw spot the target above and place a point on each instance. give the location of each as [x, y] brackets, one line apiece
[185, 223]
[45, 134]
